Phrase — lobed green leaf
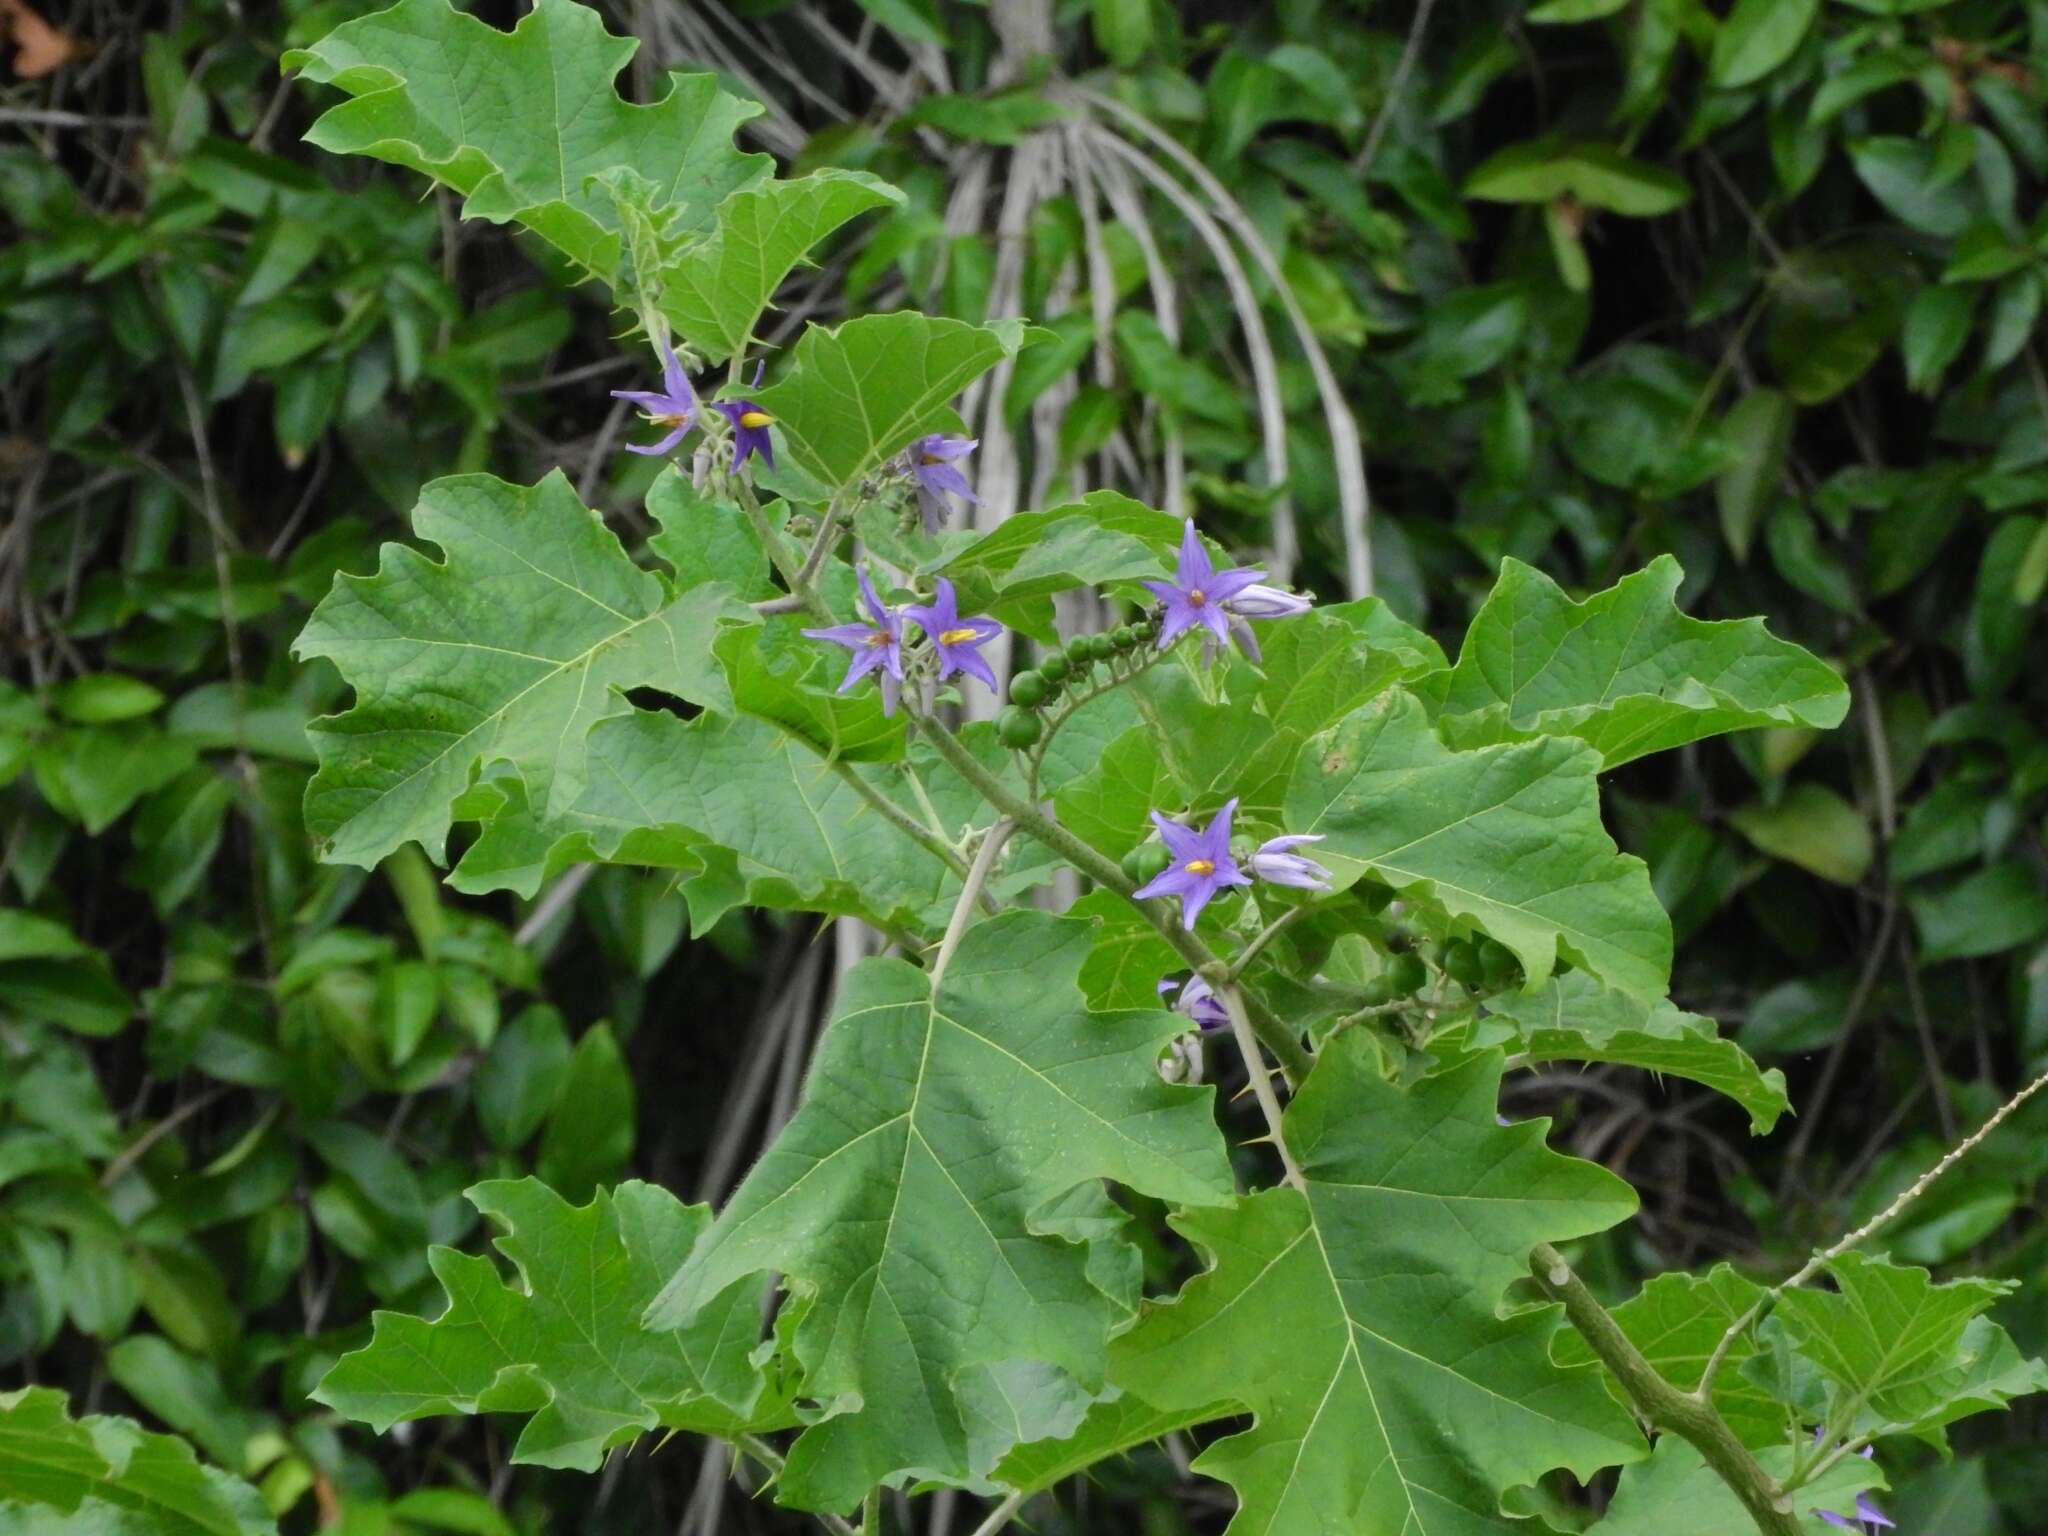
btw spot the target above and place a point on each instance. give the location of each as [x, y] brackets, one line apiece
[1360, 1325]
[915, 1203]
[566, 1346]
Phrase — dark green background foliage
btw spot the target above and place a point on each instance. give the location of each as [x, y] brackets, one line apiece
[1756, 284]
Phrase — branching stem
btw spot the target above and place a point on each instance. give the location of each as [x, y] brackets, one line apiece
[1869, 1229]
[902, 820]
[1262, 1082]
[1278, 1037]
[1690, 1417]
[1074, 703]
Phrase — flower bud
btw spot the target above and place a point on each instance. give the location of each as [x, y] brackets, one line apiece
[1181, 1060]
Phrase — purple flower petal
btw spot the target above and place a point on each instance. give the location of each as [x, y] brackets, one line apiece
[1225, 585]
[673, 378]
[851, 636]
[1195, 570]
[1216, 836]
[883, 618]
[964, 658]
[1174, 880]
[1182, 842]
[1192, 903]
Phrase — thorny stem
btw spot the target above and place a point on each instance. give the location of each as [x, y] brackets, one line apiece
[977, 876]
[772, 1459]
[1262, 1083]
[1690, 1417]
[1278, 1037]
[1870, 1228]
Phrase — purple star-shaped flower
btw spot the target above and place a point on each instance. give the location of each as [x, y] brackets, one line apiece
[1198, 1001]
[1200, 593]
[955, 639]
[674, 405]
[876, 647]
[932, 460]
[1201, 867]
[1274, 862]
[749, 430]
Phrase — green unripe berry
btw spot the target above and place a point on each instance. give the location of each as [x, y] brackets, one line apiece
[1018, 728]
[1406, 974]
[1028, 689]
[1145, 629]
[1081, 650]
[1055, 666]
[1461, 962]
[1124, 636]
[1498, 966]
[1101, 647]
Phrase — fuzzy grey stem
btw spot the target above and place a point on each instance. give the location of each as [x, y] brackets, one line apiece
[1691, 1418]
[1869, 1229]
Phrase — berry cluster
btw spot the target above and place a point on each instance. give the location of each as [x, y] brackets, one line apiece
[1032, 691]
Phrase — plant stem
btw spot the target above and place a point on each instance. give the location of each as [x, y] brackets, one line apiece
[828, 529]
[779, 552]
[1073, 706]
[772, 1459]
[977, 876]
[1264, 937]
[1001, 1515]
[871, 1512]
[1278, 1038]
[1870, 1228]
[901, 819]
[1262, 1084]
[1691, 1418]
